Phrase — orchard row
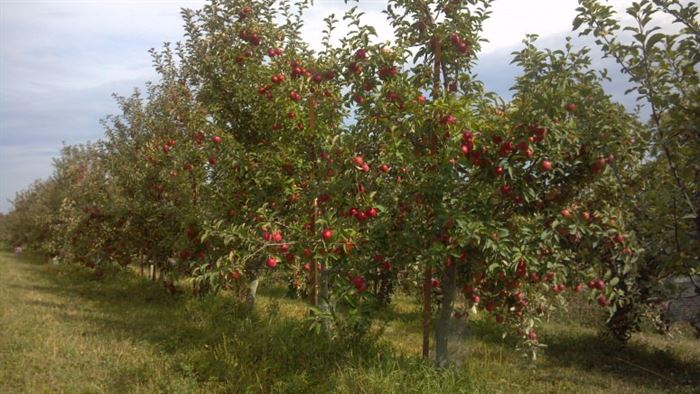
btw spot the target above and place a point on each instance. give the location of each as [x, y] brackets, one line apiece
[358, 170]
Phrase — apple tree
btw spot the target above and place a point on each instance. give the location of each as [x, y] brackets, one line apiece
[659, 197]
[490, 193]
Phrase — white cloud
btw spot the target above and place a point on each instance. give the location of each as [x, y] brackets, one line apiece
[79, 44]
[510, 20]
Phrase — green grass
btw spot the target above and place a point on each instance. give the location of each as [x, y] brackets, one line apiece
[65, 331]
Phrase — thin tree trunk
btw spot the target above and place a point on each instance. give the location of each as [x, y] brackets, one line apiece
[252, 293]
[313, 285]
[442, 325]
[325, 306]
[428, 275]
[427, 304]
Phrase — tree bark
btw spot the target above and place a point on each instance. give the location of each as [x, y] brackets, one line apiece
[325, 306]
[252, 293]
[442, 325]
[313, 285]
[427, 304]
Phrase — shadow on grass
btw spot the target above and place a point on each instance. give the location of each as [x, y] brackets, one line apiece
[584, 349]
[390, 313]
[579, 346]
[634, 361]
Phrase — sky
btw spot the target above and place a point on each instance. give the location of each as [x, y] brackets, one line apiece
[61, 61]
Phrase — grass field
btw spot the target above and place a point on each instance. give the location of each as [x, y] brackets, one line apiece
[63, 330]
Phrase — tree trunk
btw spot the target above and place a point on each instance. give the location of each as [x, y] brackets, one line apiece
[324, 305]
[442, 325]
[252, 293]
[427, 304]
[313, 285]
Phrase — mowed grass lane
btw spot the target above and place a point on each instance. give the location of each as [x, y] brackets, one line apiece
[64, 330]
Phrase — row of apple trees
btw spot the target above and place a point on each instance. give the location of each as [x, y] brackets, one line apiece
[367, 167]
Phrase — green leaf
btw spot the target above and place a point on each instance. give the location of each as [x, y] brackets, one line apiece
[653, 40]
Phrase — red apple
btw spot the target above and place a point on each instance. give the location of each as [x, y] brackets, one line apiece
[271, 262]
[546, 165]
[359, 283]
[327, 234]
[599, 284]
[532, 335]
[449, 120]
[372, 212]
